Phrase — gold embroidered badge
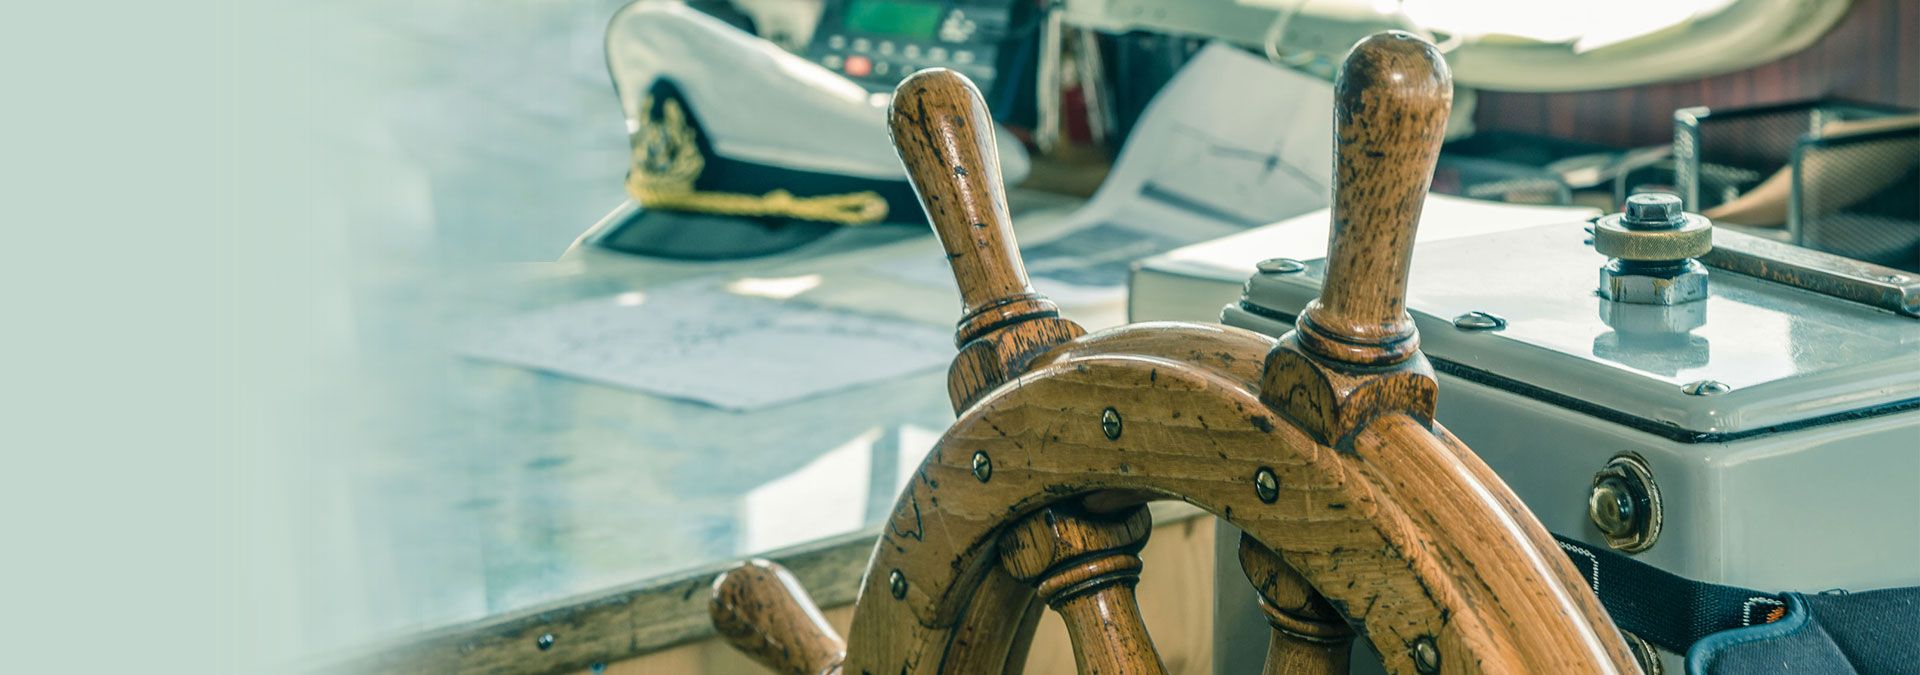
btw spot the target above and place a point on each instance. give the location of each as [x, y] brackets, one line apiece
[667, 161]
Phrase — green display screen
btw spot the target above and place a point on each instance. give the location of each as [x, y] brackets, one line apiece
[894, 17]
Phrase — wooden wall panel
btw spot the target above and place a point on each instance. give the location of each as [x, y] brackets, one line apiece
[1872, 55]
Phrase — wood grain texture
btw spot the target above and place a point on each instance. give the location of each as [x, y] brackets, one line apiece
[761, 610]
[1870, 56]
[989, 360]
[608, 627]
[1326, 456]
[1309, 636]
[1176, 600]
[1333, 401]
[704, 657]
[1390, 115]
[1200, 434]
[983, 643]
[1084, 566]
[944, 135]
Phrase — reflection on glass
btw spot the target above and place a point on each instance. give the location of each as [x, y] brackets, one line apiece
[779, 288]
[826, 497]
[915, 442]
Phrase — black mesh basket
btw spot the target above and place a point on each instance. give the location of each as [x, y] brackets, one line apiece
[1719, 154]
[1858, 195]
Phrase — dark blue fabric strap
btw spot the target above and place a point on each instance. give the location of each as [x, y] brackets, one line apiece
[1728, 630]
[1666, 609]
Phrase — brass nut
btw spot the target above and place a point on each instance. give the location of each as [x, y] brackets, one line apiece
[1614, 239]
[1624, 504]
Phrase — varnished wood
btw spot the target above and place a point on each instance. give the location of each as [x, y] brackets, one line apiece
[998, 355]
[637, 618]
[1309, 637]
[944, 135]
[982, 643]
[761, 610]
[1354, 353]
[1202, 435]
[1373, 515]
[1176, 600]
[1333, 401]
[1085, 565]
[1390, 115]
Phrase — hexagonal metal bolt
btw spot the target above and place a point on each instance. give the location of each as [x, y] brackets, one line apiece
[1651, 246]
[1653, 210]
[1623, 281]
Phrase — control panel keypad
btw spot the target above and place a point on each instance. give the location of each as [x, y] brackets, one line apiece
[966, 39]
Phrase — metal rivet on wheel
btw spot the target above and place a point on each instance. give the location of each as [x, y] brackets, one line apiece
[1266, 485]
[1477, 320]
[1705, 388]
[1110, 423]
[1426, 656]
[982, 466]
[897, 583]
[544, 642]
[1280, 266]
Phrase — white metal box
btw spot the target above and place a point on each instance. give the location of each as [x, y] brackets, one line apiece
[1803, 474]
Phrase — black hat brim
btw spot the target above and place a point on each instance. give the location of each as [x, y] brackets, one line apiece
[681, 235]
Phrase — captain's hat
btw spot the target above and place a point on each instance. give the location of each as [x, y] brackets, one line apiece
[742, 149]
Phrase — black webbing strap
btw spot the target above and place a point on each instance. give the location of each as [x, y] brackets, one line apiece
[1663, 608]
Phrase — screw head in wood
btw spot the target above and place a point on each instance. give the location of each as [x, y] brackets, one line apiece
[544, 642]
[1266, 485]
[982, 466]
[1426, 656]
[1110, 423]
[897, 584]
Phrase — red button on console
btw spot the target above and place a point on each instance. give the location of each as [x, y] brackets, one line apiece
[859, 66]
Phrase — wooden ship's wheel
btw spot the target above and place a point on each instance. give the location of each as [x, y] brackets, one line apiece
[1360, 513]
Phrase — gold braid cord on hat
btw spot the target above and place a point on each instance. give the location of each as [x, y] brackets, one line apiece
[666, 161]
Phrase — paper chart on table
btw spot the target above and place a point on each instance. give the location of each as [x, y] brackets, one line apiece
[700, 342]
